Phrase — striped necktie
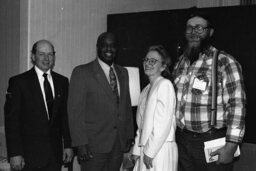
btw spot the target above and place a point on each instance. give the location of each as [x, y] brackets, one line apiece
[113, 84]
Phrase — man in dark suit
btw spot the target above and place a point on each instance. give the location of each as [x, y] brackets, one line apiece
[99, 109]
[36, 115]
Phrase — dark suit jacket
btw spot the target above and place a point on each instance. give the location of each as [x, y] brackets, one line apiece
[28, 131]
[94, 116]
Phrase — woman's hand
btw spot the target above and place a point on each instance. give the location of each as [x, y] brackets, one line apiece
[148, 161]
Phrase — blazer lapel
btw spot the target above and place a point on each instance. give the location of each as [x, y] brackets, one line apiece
[149, 110]
[102, 80]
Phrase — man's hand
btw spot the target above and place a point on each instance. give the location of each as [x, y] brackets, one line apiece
[147, 161]
[67, 155]
[133, 158]
[129, 144]
[226, 153]
[17, 162]
[84, 153]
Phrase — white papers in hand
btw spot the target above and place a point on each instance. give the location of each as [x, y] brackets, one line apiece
[213, 145]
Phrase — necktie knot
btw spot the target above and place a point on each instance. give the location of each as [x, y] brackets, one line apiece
[45, 76]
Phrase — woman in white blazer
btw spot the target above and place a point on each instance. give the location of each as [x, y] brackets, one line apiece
[155, 148]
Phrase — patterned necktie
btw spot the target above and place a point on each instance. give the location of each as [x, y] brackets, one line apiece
[48, 95]
[113, 84]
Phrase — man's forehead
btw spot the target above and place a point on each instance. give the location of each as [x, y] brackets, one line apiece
[197, 20]
[44, 46]
[108, 38]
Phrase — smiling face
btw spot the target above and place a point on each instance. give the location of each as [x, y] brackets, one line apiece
[44, 57]
[152, 64]
[106, 48]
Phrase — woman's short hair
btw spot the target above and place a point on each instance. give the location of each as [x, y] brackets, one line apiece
[166, 60]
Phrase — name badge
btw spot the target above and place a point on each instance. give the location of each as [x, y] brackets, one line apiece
[199, 84]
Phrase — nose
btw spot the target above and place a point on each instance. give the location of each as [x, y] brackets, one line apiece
[46, 57]
[109, 47]
[147, 63]
[193, 31]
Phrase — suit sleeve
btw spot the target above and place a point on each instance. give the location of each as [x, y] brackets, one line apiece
[136, 148]
[13, 120]
[163, 117]
[65, 125]
[76, 101]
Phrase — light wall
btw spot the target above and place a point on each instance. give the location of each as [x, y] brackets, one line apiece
[9, 45]
[9, 53]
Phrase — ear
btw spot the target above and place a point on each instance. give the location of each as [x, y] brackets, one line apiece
[211, 32]
[163, 67]
[32, 57]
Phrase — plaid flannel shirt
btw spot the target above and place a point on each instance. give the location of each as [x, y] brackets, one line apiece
[194, 91]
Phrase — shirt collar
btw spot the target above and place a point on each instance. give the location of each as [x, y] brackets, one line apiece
[40, 73]
[104, 65]
[209, 51]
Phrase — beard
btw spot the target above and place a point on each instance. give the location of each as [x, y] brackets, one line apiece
[192, 50]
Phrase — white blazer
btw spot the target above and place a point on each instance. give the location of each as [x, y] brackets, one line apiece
[155, 117]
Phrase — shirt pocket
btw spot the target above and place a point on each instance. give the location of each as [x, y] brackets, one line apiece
[201, 88]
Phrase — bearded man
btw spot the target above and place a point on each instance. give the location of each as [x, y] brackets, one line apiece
[193, 81]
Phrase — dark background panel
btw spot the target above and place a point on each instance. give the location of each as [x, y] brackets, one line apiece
[235, 32]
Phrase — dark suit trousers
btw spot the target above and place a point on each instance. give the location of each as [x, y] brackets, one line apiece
[105, 161]
[53, 165]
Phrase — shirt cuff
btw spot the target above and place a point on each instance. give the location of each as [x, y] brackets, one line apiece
[235, 135]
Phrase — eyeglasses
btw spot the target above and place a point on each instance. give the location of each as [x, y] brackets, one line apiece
[198, 28]
[151, 61]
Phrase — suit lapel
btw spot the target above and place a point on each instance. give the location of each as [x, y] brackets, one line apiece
[57, 94]
[102, 80]
[121, 81]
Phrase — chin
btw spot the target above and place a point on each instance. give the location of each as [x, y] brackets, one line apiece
[148, 73]
[109, 59]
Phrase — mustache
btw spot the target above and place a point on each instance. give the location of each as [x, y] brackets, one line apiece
[195, 36]
[204, 43]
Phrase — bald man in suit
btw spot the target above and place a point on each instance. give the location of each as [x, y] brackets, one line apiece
[99, 108]
[36, 122]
